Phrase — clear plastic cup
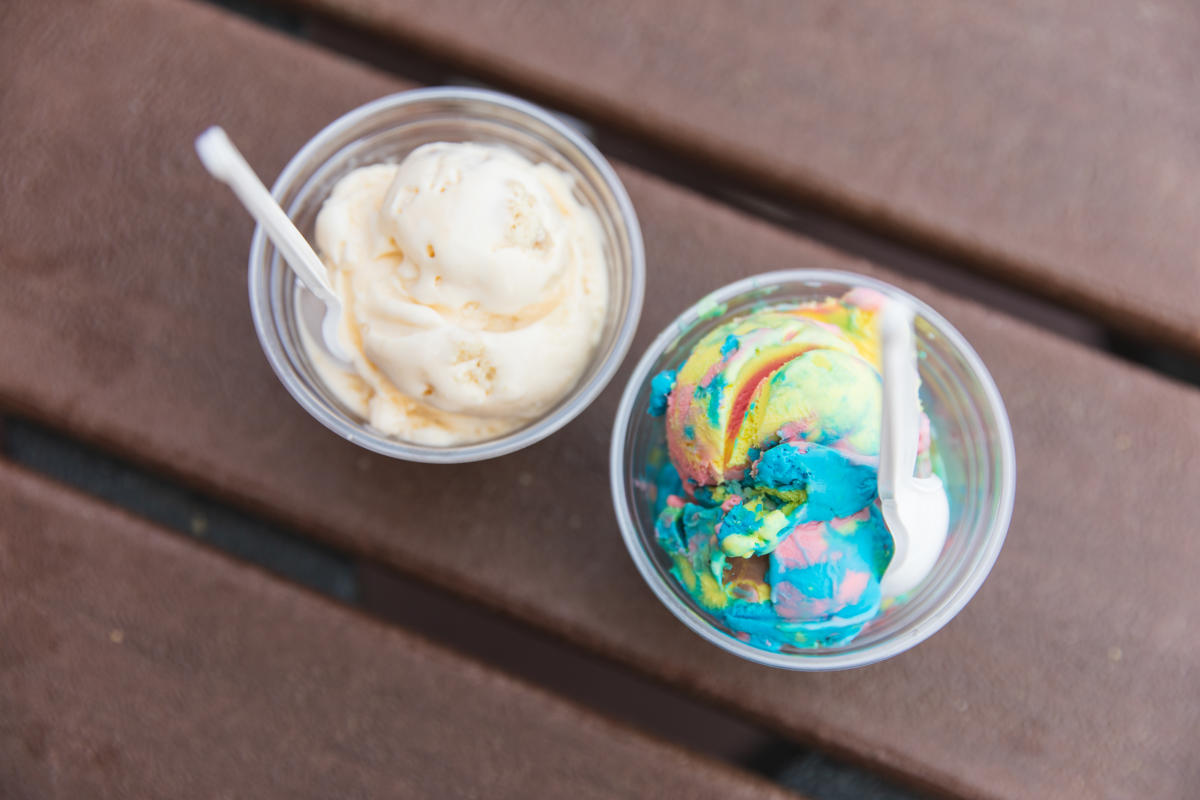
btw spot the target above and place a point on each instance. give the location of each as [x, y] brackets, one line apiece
[972, 436]
[386, 130]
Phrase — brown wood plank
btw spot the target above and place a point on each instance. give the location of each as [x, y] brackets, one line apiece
[1054, 145]
[1063, 677]
[137, 664]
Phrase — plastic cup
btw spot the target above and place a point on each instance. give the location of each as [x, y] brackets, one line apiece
[386, 130]
[971, 433]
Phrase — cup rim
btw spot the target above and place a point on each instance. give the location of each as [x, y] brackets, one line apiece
[818, 660]
[359, 434]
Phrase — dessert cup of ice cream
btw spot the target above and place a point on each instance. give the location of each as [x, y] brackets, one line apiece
[744, 460]
[490, 266]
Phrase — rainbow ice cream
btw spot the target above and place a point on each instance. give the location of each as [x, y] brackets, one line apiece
[768, 505]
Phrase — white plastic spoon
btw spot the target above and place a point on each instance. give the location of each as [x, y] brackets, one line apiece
[916, 510]
[225, 163]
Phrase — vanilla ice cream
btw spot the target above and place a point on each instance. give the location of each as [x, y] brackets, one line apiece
[474, 291]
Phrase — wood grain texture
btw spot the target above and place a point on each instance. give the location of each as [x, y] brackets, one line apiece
[137, 664]
[1062, 678]
[1051, 144]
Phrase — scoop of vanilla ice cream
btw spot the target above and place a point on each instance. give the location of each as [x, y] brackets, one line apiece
[474, 290]
[480, 224]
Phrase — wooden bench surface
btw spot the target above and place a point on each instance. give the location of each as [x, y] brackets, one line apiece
[1062, 677]
[1053, 144]
[138, 664]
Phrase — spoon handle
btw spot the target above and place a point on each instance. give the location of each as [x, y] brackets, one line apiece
[898, 435]
[225, 163]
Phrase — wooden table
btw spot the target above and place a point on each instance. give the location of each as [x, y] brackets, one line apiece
[1051, 150]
